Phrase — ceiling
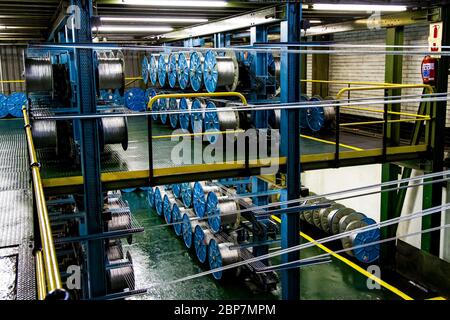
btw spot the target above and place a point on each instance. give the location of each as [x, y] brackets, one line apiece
[32, 20]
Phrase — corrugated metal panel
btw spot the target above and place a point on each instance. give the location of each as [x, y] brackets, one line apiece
[11, 62]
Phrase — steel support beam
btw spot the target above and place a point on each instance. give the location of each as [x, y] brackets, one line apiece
[290, 146]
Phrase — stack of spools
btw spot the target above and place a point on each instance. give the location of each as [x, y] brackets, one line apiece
[12, 104]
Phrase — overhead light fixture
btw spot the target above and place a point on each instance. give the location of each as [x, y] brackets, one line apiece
[176, 3]
[315, 21]
[358, 7]
[162, 19]
[131, 29]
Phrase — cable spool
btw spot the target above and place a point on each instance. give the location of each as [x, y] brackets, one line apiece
[220, 71]
[173, 118]
[120, 220]
[38, 74]
[113, 130]
[221, 211]
[163, 60]
[322, 212]
[153, 69]
[330, 113]
[168, 202]
[220, 255]
[177, 213]
[274, 66]
[199, 192]
[162, 106]
[159, 196]
[274, 119]
[186, 193]
[185, 104]
[176, 189]
[196, 70]
[197, 117]
[172, 67]
[335, 216]
[145, 69]
[187, 227]
[309, 214]
[327, 216]
[135, 99]
[45, 133]
[315, 116]
[347, 242]
[3, 109]
[346, 220]
[371, 253]
[202, 236]
[151, 197]
[149, 93]
[15, 102]
[114, 252]
[110, 73]
[216, 121]
[121, 278]
[155, 105]
[183, 70]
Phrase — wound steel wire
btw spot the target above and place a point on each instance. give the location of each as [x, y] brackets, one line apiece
[110, 73]
[38, 74]
[114, 130]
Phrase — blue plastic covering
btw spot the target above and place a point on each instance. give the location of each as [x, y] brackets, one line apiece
[15, 102]
[135, 99]
[3, 109]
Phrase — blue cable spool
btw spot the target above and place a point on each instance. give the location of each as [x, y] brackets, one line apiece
[185, 116]
[158, 201]
[213, 212]
[201, 240]
[186, 229]
[315, 116]
[183, 70]
[197, 117]
[145, 69]
[151, 197]
[128, 190]
[153, 70]
[155, 106]
[211, 122]
[196, 70]
[198, 197]
[173, 118]
[3, 109]
[186, 194]
[303, 112]
[176, 219]
[172, 69]
[162, 69]
[367, 254]
[117, 98]
[176, 189]
[215, 258]
[162, 106]
[15, 102]
[135, 99]
[149, 93]
[167, 209]
[210, 71]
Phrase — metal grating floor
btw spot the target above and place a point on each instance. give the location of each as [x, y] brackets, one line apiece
[16, 211]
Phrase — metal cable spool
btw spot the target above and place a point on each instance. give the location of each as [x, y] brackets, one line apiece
[309, 214]
[221, 211]
[15, 102]
[120, 220]
[330, 114]
[335, 216]
[3, 109]
[177, 213]
[155, 105]
[274, 66]
[186, 193]
[371, 253]
[199, 192]
[216, 121]
[219, 255]
[110, 73]
[220, 71]
[162, 106]
[315, 116]
[202, 236]
[172, 72]
[344, 222]
[347, 242]
[159, 196]
[114, 251]
[183, 70]
[327, 216]
[196, 70]
[187, 227]
[274, 119]
[163, 60]
[317, 221]
[302, 112]
[113, 130]
[176, 189]
[121, 278]
[153, 69]
[168, 202]
[38, 74]
[149, 93]
[197, 117]
[135, 99]
[185, 104]
[151, 196]
[173, 118]
[145, 69]
[45, 133]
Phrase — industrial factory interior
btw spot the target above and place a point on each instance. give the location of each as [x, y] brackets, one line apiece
[224, 151]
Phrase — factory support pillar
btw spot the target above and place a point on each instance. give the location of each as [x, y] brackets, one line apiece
[290, 145]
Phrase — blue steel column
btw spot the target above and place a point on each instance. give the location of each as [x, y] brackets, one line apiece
[290, 146]
[90, 154]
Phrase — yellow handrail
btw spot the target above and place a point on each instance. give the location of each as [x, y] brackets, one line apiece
[195, 95]
[379, 87]
[366, 83]
[53, 277]
[40, 276]
[12, 81]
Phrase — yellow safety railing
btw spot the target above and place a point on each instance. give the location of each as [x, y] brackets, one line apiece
[379, 87]
[46, 261]
[357, 83]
